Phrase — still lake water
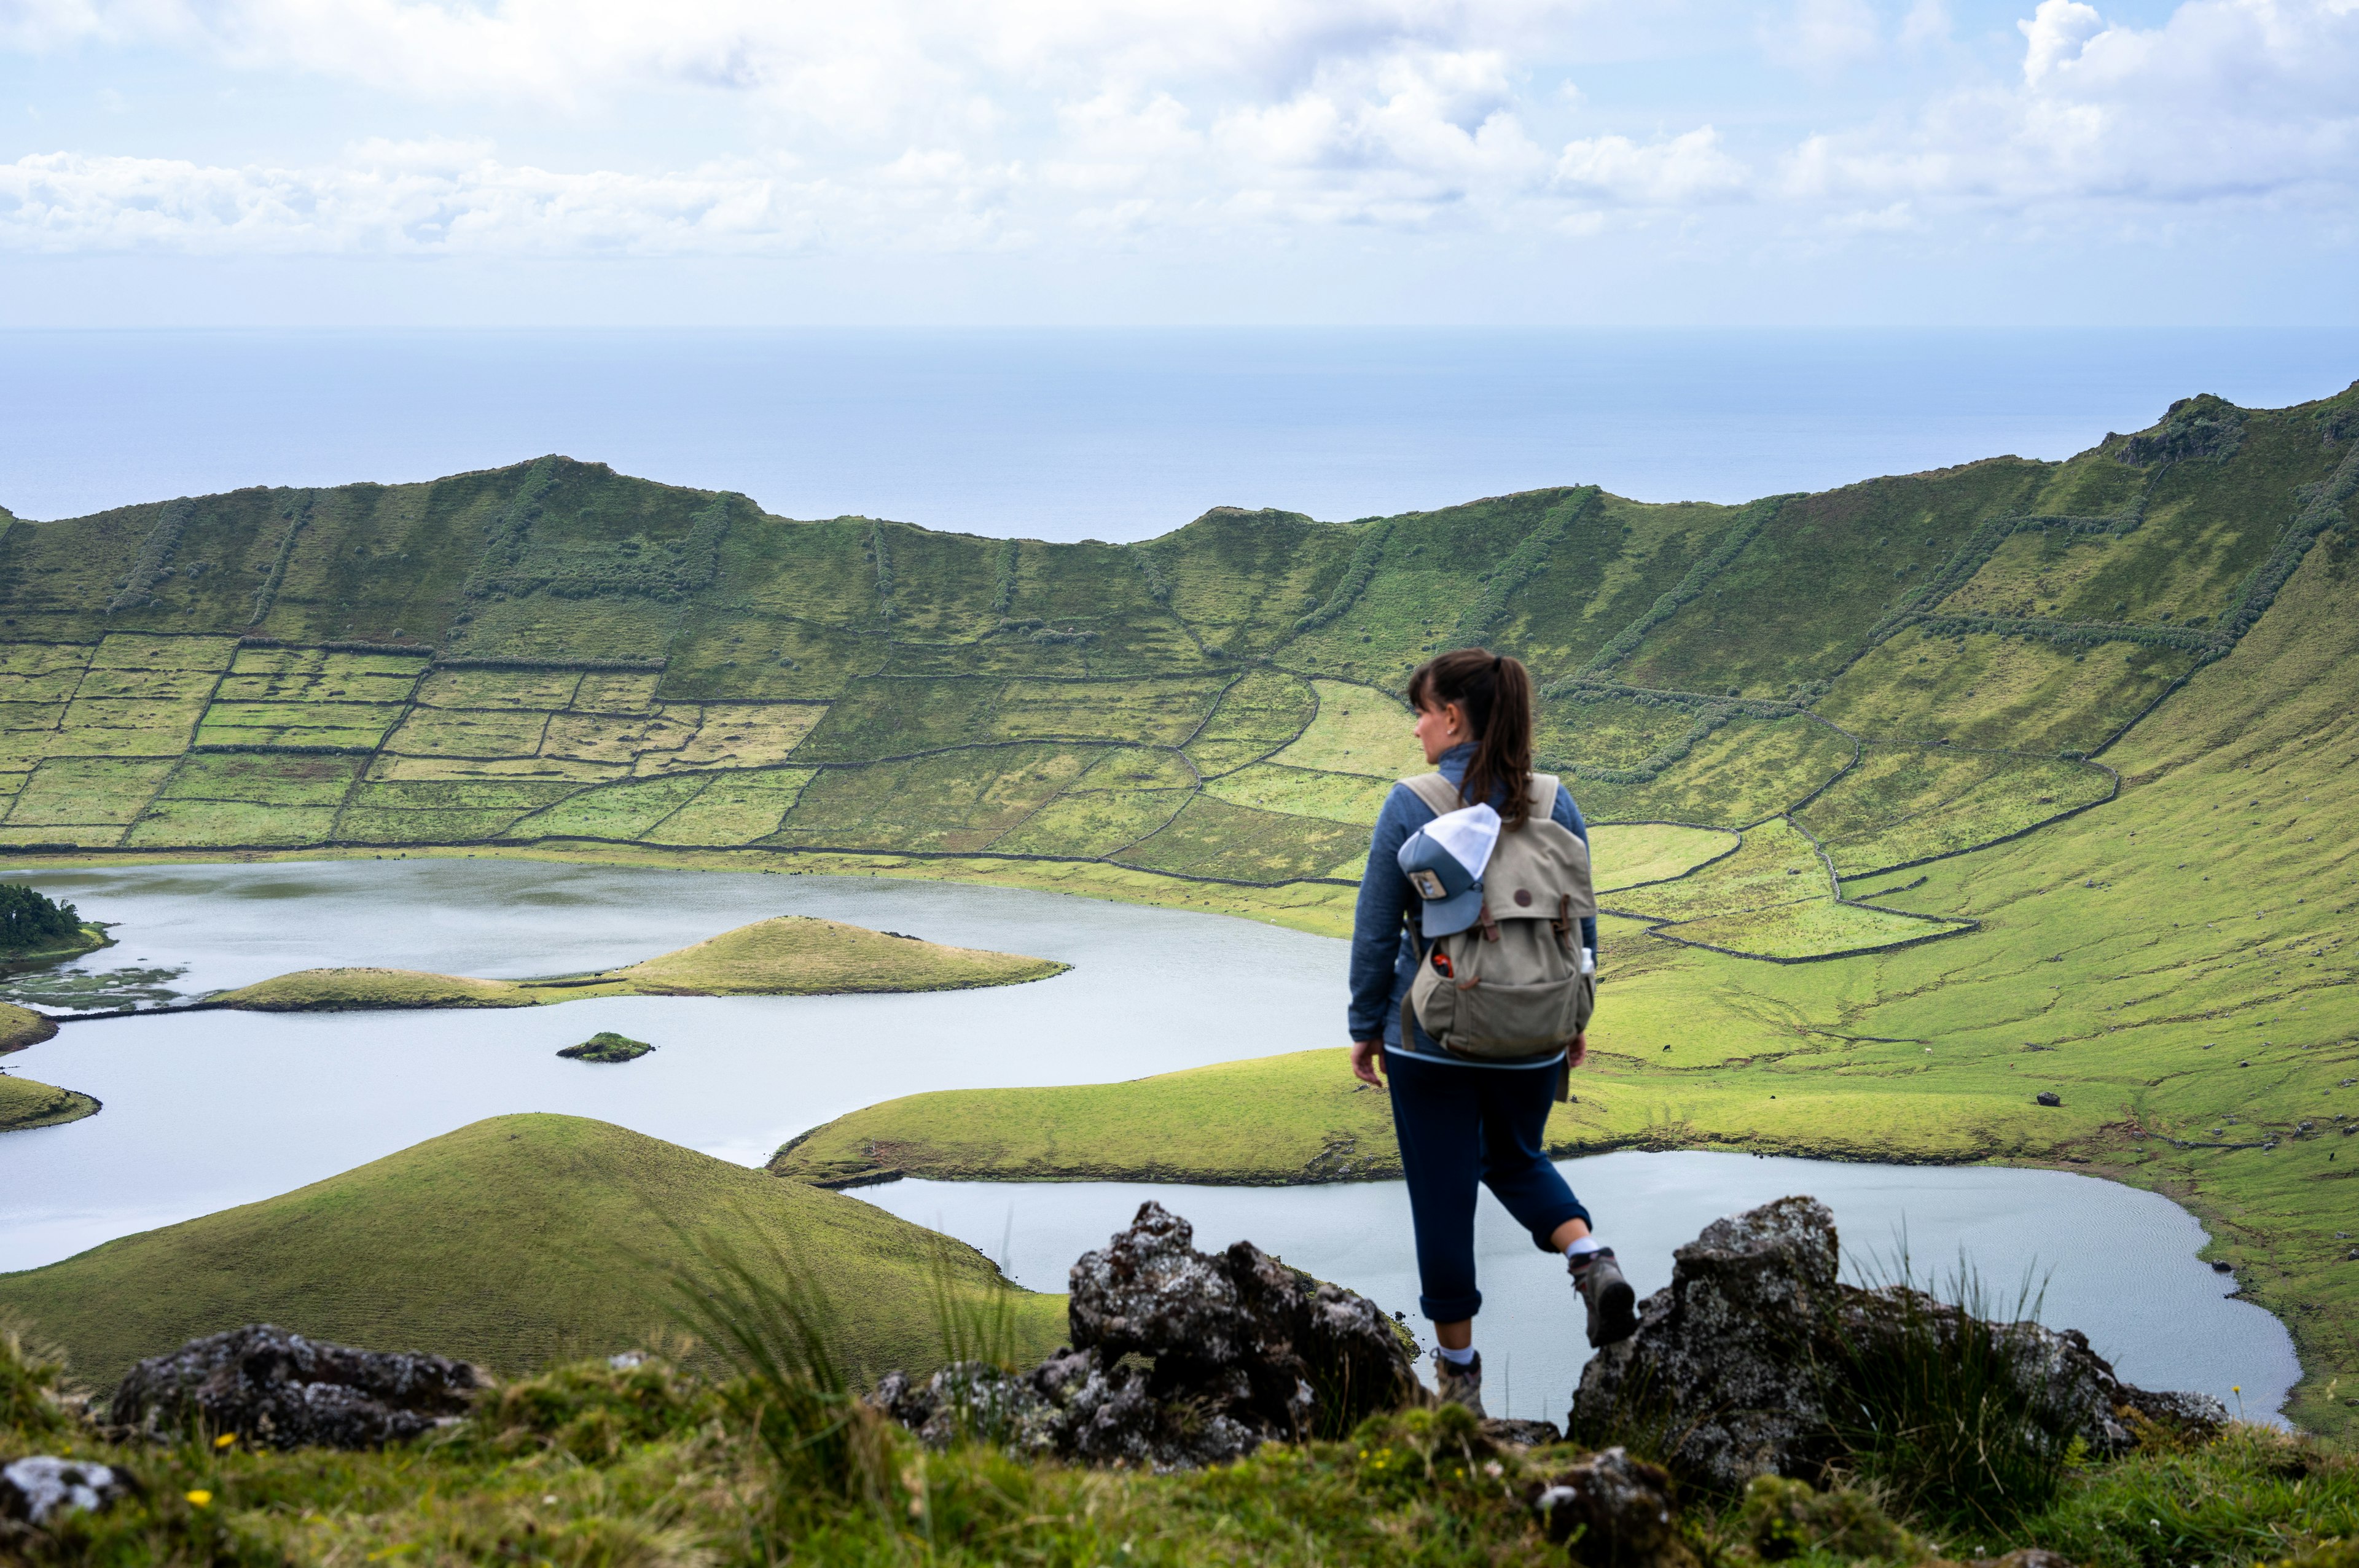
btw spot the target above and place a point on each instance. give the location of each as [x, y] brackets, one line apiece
[1101, 434]
[206, 1110]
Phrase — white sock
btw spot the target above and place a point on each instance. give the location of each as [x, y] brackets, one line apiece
[1455, 1357]
[1584, 1248]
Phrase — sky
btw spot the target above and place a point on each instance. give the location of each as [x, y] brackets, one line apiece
[1175, 162]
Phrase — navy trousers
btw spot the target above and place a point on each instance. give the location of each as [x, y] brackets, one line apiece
[1459, 1127]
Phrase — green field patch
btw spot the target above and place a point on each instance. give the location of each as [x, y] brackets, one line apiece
[1601, 731]
[33, 659]
[616, 691]
[466, 687]
[1093, 823]
[55, 688]
[441, 733]
[957, 800]
[1146, 712]
[140, 651]
[740, 735]
[619, 811]
[176, 714]
[172, 824]
[1357, 731]
[31, 715]
[1776, 864]
[514, 1242]
[456, 768]
[544, 628]
[1214, 839]
[1811, 928]
[442, 812]
[1904, 804]
[86, 791]
[153, 686]
[1746, 770]
[736, 807]
[1262, 712]
[733, 655]
[2017, 694]
[333, 665]
[624, 738]
[1622, 855]
[70, 836]
[1303, 792]
[111, 740]
[374, 717]
[262, 780]
[885, 718]
[22, 749]
[317, 688]
[1135, 767]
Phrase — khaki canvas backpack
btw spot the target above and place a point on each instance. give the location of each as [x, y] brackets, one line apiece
[1513, 985]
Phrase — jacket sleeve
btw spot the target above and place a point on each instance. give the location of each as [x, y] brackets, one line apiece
[1385, 896]
[1567, 814]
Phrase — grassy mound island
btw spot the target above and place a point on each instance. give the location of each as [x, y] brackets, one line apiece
[1915, 797]
[518, 1242]
[23, 1102]
[606, 1046]
[789, 955]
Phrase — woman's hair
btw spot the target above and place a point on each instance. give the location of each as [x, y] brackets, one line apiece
[1495, 690]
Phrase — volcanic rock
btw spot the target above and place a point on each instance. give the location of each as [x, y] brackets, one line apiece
[1180, 1359]
[38, 1488]
[278, 1389]
[1612, 1511]
[1734, 1363]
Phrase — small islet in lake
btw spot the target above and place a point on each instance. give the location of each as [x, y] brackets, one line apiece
[206, 1110]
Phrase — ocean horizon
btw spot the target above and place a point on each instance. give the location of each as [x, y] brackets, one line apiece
[1108, 434]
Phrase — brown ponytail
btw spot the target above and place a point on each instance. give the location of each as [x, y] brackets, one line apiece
[1495, 690]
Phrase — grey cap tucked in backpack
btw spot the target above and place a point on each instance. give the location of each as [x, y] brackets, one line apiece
[1444, 860]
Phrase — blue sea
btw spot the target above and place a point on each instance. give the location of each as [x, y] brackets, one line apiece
[1112, 435]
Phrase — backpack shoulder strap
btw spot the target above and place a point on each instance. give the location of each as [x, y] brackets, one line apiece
[1437, 792]
[1542, 794]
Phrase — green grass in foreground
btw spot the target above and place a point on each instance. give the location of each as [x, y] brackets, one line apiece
[789, 955]
[588, 1465]
[515, 1242]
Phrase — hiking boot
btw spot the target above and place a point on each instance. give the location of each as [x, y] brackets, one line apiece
[1461, 1385]
[1612, 1304]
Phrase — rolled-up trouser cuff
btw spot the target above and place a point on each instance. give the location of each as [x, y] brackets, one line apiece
[1450, 1309]
[1545, 1229]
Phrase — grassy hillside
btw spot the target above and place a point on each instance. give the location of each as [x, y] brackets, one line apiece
[517, 1241]
[787, 956]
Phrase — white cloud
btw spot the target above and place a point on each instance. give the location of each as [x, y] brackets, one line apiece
[1824, 36]
[1676, 172]
[2229, 99]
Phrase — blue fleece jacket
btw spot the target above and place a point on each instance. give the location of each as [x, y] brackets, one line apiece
[1384, 957]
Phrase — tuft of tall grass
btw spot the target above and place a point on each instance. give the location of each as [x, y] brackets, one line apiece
[1945, 1410]
[768, 1319]
[36, 1398]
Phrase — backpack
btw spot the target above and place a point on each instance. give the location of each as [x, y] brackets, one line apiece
[1513, 985]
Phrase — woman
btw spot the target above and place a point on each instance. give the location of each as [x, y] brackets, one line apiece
[1461, 1121]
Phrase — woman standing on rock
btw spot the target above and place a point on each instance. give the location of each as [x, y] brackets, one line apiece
[1479, 872]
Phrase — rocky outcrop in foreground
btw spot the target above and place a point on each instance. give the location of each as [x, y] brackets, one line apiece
[1244, 1350]
[277, 1389]
[1745, 1364]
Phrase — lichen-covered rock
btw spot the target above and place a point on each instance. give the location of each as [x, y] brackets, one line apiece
[278, 1389]
[1611, 1510]
[1732, 1364]
[1180, 1359]
[40, 1486]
